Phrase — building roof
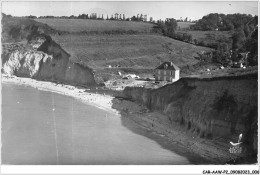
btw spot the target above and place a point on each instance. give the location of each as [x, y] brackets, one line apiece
[168, 66]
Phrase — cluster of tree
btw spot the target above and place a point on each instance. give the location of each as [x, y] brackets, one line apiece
[81, 16]
[213, 40]
[116, 16]
[167, 27]
[222, 22]
[240, 47]
[229, 49]
[185, 20]
[225, 53]
[251, 45]
[186, 37]
[139, 17]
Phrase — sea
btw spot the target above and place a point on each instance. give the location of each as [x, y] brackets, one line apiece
[46, 128]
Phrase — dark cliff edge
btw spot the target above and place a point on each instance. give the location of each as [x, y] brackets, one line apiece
[209, 108]
[61, 68]
[28, 51]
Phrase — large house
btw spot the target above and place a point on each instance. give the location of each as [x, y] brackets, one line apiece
[167, 72]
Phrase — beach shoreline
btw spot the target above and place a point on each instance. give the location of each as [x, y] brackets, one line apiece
[139, 114]
[101, 101]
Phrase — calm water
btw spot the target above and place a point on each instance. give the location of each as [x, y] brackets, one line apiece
[40, 127]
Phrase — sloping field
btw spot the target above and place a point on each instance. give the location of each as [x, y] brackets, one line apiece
[79, 25]
[184, 25]
[140, 52]
[210, 37]
[136, 51]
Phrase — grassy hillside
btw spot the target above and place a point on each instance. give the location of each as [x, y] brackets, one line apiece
[139, 53]
[79, 25]
[136, 51]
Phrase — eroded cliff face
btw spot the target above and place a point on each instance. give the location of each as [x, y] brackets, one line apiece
[46, 60]
[222, 106]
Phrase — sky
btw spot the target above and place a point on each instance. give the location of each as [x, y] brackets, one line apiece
[158, 10]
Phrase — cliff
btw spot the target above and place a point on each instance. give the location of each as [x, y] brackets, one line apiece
[29, 51]
[209, 108]
[44, 59]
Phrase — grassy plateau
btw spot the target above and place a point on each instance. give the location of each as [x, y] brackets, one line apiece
[79, 25]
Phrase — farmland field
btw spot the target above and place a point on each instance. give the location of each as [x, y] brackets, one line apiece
[138, 51]
[79, 25]
[139, 54]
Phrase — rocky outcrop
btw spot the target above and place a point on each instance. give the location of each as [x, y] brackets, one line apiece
[210, 108]
[46, 61]
[29, 51]
[24, 64]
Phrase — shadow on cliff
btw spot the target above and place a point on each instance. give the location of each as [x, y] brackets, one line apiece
[136, 128]
[221, 107]
[162, 140]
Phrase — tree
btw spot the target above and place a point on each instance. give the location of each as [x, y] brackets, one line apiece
[238, 39]
[141, 17]
[189, 37]
[230, 26]
[112, 18]
[221, 54]
[160, 27]
[170, 25]
[134, 18]
[116, 16]
[93, 16]
[195, 41]
[228, 22]
[252, 46]
[246, 30]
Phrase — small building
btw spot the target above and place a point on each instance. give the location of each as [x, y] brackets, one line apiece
[167, 72]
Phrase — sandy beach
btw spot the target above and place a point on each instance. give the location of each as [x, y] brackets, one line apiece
[101, 101]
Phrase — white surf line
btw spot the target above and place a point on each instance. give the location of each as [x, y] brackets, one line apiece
[55, 129]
